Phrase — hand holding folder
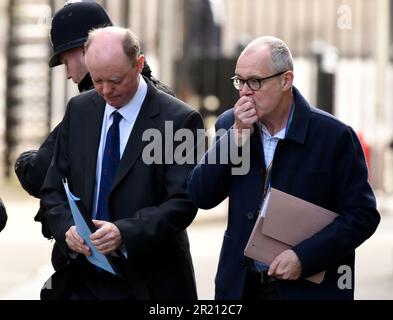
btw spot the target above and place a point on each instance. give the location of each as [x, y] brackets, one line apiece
[85, 228]
[285, 222]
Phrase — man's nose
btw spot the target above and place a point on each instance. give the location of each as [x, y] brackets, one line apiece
[106, 88]
[245, 90]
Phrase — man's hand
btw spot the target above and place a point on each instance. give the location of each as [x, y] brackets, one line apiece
[286, 266]
[76, 243]
[107, 238]
[245, 117]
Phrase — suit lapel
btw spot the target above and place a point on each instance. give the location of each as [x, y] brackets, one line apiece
[257, 145]
[135, 144]
[95, 113]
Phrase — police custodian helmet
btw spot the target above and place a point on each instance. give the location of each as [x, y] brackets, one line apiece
[71, 25]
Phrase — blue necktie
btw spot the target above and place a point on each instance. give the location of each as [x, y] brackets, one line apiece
[110, 162]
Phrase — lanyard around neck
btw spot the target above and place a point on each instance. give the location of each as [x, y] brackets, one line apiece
[268, 174]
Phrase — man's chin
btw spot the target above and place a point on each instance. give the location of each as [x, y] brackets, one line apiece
[113, 102]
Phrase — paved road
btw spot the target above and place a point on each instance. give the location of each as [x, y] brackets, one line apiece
[25, 254]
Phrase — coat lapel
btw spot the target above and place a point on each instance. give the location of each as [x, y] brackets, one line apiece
[257, 145]
[91, 141]
[301, 118]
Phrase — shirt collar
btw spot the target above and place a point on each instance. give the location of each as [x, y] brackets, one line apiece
[278, 135]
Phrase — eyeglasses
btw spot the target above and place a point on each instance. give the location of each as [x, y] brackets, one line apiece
[254, 83]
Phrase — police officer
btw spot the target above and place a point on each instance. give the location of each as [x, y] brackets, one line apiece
[70, 27]
[3, 215]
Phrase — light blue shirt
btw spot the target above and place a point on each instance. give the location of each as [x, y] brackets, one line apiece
[129, 112]
[270, 143]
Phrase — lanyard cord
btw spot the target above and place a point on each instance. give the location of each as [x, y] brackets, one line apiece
[268, 174]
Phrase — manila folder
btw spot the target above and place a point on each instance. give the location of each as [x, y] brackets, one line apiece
[288, 221]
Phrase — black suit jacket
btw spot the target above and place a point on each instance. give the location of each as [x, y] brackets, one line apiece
[148, 202]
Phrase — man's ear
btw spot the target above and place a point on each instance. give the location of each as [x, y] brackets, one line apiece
[140, 61]
[287, 80]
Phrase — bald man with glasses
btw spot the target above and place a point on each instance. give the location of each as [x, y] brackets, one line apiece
[298, 149]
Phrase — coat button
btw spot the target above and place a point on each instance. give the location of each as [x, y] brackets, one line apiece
[250, 216]
[243, 262]
[260, 172]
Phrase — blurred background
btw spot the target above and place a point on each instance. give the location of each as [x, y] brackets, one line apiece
[343, 52]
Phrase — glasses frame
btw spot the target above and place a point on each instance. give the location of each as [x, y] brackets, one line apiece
[239, 86]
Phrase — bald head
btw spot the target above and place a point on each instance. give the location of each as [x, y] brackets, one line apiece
[114, 61]
[276, 49]
[113, 42]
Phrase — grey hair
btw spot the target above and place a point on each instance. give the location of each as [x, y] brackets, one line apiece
[130, 43]
[280, 54]
[131, 46]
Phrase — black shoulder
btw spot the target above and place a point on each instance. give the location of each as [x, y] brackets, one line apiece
[3, 215]
[160, 86]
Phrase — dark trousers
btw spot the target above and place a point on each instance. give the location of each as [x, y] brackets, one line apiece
[260, 286]
[90, 283]
[80, 280]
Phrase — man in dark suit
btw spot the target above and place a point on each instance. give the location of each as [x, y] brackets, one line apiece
[148, 207]
[289, 145]
[69, 31]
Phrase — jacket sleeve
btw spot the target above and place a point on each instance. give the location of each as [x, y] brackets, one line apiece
[57, 213]
[208, 183]
[3, 215]
[356, 205]
[31, 166]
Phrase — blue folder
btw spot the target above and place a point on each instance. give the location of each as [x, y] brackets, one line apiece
[85, 228]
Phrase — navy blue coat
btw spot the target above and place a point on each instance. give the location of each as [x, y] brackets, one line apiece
[320, 160]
